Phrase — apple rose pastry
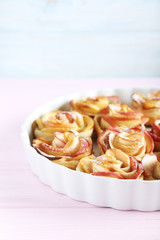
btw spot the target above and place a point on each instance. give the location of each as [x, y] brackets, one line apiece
[118, 116]
[65, 148]
[61, 121]
[149, 105]
[155, 134]
[114, 163]
[91, 106]
[132, 141]
[151, 165]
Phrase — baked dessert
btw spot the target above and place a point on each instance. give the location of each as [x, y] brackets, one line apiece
[133, 141]
[155, 134]
[65, 148]
[126, 148]
[151, 166]
[62, 121]
[114, 163]
[148, 105]
[118, 116]
[92, 105]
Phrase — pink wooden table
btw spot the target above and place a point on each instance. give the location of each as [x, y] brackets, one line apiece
[32, 210]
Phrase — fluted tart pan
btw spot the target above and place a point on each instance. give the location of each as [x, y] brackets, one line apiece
[97, 190]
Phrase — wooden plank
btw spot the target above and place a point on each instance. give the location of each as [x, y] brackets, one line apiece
[79, 38]
[106, 55]
[22, 189]
[93, 16]
[69, 224]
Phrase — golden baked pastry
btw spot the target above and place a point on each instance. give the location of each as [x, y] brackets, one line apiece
[118, 116]
[149, 105]
[65, 148]
[155, 134]
[151, 166]
[114, 163]
[126, 149]
[92, 105]
[132, 141]
[62, 121]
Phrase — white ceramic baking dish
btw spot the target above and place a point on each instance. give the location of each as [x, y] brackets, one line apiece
[100, 191]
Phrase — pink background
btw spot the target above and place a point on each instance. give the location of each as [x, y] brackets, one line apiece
[32, 210]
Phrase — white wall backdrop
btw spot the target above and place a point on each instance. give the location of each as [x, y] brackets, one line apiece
[79, 38]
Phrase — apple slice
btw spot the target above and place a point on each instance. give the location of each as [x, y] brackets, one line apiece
[108, 174]
[156, 127]
[151, 165]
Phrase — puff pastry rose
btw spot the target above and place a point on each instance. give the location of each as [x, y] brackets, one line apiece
[92, 105]
[114, 163]
[155, 134]
[149, 105]
[62, 121]
[118, 116]
[125, 147]
[151, 165]
[65, 148]
[132, 141]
